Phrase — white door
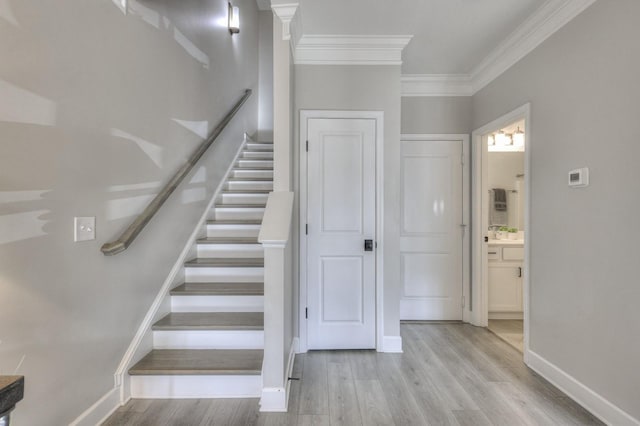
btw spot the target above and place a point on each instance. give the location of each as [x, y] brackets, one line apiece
[430, 230]
[340, 217]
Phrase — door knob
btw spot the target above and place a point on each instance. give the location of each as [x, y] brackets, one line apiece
[368, 245]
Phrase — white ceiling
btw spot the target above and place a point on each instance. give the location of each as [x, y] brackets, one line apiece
[449, 36]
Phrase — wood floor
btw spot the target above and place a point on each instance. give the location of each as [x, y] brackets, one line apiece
[449, 374]
[511, 331]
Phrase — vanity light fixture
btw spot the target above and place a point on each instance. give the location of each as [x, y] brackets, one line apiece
[501, 138]
[234, 19]
[518, 138]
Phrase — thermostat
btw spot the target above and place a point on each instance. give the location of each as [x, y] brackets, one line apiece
[579, 177]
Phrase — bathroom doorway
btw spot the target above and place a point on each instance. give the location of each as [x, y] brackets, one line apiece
[501, 206]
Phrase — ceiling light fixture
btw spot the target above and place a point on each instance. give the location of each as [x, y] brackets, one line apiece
[234, 19]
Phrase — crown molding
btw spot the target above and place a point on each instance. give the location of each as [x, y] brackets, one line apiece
[544, 22]
[548, 19]
[436, 85]
[350, 49]
[285, 12]
[263, 5]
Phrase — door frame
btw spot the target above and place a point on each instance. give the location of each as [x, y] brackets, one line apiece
[378, 117]
[479, 314]
[466, 199]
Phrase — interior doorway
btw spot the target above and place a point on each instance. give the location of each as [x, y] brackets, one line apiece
[500, 240]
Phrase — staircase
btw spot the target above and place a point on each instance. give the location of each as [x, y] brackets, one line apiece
[210, 344]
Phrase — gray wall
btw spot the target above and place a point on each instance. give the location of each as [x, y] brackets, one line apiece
[89, 100]
[369, 88]
[265, 46]
[583, 87]
[436, 115]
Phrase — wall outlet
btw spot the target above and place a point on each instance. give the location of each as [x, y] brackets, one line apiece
[84, 228]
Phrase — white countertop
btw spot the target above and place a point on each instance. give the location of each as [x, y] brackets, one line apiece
[506, 242]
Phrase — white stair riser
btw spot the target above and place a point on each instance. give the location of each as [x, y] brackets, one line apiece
[228, 230]
[250, 185]
[203, 386]
[208, 339]
[230, 250]
[254, 163]
[217, 303]
[239, 198]
[257, 154]
[260, 174]
[240, 213]
[221, 275]
[259, 146]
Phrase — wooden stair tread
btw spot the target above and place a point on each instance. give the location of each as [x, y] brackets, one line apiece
[253, 169]
[219, 289]
[199, 362]
[249, 179]
[234, 262]
[228, 240]
[246, 191]
[240, 206]
[211, 321]
[234, 222]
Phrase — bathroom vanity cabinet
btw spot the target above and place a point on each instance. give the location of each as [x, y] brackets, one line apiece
[505, 279]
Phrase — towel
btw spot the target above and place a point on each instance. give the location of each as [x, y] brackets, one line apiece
[497, 217]
[500, 199]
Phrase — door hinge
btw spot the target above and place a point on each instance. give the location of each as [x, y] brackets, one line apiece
[306, 313]
[306, 229]
[463, 301]
[307, 146]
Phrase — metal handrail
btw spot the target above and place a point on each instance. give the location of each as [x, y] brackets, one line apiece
[130, 234]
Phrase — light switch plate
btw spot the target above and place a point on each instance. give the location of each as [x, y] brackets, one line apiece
[84, 228]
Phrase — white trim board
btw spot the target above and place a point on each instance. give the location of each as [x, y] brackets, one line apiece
[542, 24]
[391, 344]
[478, 310]
[100, 411]
[412, 85]
[350, 49]
[285, 12]
[378, 116]
[583, 395]
[277, 399]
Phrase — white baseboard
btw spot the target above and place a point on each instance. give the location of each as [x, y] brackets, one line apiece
[100, 411]
[391, 344]
[276, 400]
[590, 400]
[506, 315]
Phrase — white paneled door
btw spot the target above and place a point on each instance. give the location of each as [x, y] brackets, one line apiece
[430, 230]
[340, 217]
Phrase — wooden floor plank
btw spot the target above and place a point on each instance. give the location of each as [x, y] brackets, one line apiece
[314, 398]
[343, 402]
[373, 404]
[313, 420]
[404, 408]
